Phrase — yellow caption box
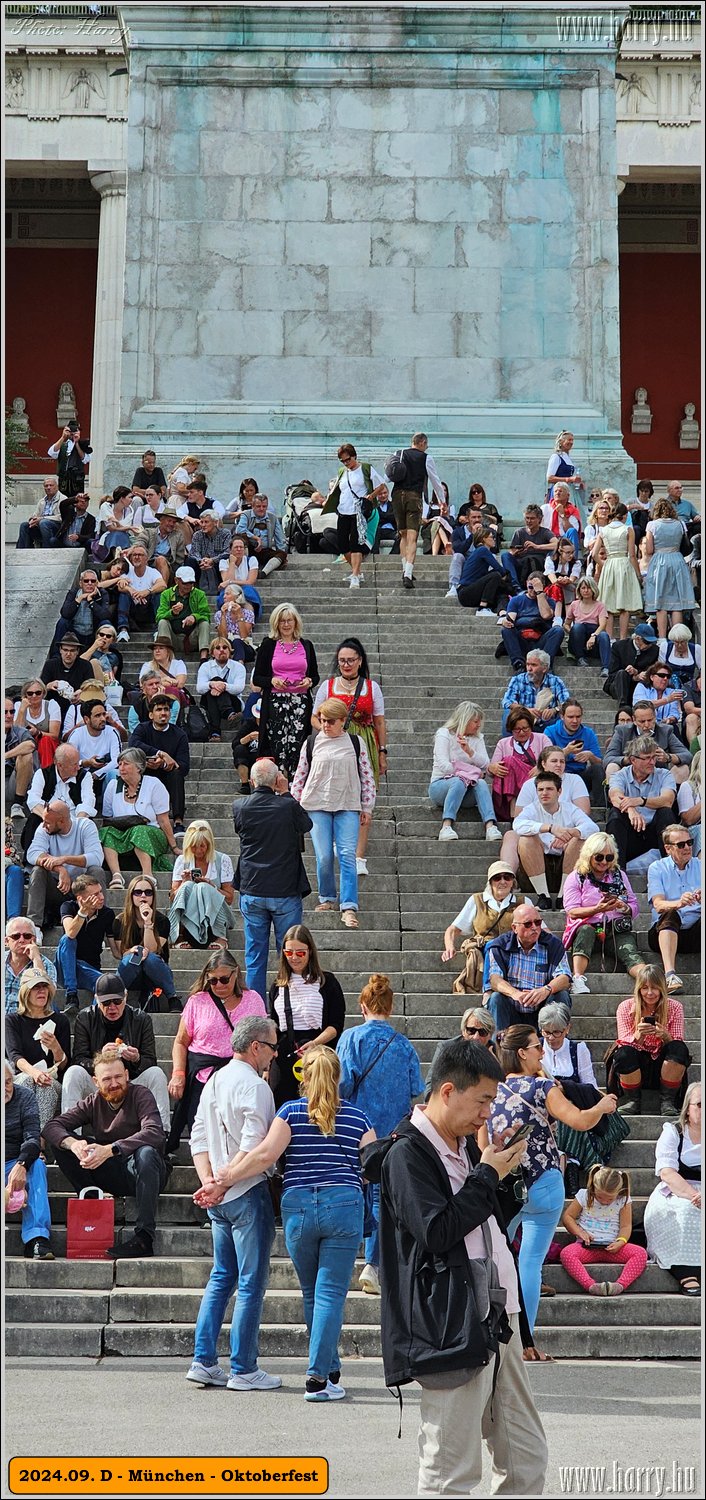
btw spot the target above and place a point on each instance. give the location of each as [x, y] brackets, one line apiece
[251, 1475]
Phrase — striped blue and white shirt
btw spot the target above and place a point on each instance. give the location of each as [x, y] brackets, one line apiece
[316, 1160]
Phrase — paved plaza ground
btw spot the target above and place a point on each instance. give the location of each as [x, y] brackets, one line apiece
[629, 1413]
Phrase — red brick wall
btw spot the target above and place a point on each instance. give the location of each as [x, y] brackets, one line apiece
[659, 342]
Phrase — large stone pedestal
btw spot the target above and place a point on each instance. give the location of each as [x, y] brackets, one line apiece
[356, 223]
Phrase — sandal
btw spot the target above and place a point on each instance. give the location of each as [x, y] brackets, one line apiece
[349, 918]
[117, 883]
[690, 1286]
[325, 906]
[534, 1356]
[185, 946]
[220, 944]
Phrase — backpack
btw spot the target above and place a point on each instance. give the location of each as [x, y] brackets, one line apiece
[396, 468]
[195, 723]
[311, 741]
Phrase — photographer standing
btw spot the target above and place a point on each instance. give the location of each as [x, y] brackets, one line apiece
[73, 455]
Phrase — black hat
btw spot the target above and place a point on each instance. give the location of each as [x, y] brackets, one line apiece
[110, 987]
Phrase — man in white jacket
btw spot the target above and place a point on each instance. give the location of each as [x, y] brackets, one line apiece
[558, 830]
[220, 682]
[235, 1112]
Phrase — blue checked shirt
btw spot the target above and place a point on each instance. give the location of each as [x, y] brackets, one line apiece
[523, 971]
[521, 690]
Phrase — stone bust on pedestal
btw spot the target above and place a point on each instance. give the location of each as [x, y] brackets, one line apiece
[66, 409]
[641, 419]
[689, 428]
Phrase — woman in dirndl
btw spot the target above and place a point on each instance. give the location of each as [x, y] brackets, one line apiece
[136, 819]
[352, 684]
[673, 1212]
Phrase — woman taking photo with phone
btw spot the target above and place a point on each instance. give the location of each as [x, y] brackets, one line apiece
[307, 1006]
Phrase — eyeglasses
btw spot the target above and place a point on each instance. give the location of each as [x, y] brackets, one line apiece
[262, 1043]
[222, 978]
[348, 661]
[683, 844]
[296, 952]
[16, 937]
[536, 922]
[475, 1031]
[143, 890]
[603, 859]
[34, 693]
[547, 1032]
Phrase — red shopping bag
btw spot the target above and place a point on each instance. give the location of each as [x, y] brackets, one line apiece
[90, 1225]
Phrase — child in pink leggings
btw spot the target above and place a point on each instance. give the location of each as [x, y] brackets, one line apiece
[600, 1220]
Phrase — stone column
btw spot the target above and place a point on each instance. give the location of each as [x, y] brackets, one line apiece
[110, 182]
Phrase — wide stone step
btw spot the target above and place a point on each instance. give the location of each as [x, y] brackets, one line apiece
[618, 1312]
[83, 1305]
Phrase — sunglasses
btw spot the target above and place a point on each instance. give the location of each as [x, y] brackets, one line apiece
[34, 693]
[222, 978]
[262, 1043]
[536, 922]
[143, 890]
[503, 877]
[106, 1004]
[296, 952]
[16, 937]
[683, 844]
[604, 859]
[663, 676]
[475, 1031]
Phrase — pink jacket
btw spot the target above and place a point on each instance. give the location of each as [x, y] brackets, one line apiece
[580, 891]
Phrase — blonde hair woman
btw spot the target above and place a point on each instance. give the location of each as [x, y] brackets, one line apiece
[620, 584]
[286, 671]
[202, 891]
[180, 475]
[335, 785]
[651, 1051]
[673, 1214]
[380, 1073]
[458, 770]
[586, 625]
[689, 803]
[39, 1064]
[598, 896]
[322, 1204]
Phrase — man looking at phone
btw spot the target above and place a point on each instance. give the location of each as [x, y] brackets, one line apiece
[88, 924]
[440, 1231]
[115, 1029]
[98, 745]
[73, 455]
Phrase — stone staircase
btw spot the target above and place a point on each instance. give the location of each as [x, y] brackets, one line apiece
[427, 654]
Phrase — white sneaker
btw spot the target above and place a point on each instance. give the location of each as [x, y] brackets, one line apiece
[272, 567]
[259, 1380]
[579, 985]
[361, 865]
[17, 810]
[487, 614]
[451, 594]
[206, 1374]
[370, 1281]
[493, 834]
[123, 635]
[353, 582]
[446, 835]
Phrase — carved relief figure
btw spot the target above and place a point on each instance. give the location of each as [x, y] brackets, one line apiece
[14, 88]
[19, 421]
[83, 84]
[633, 90]
[66, 410]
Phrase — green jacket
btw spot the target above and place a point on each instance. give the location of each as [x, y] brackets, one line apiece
[196, 604]
[333, 499]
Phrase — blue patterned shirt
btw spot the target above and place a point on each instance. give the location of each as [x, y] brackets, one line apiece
[523, 691]
[524, 970]
[385, 1094]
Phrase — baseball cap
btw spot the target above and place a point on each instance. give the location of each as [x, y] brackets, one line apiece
[110, 987]
[187, 575]
[500, 868]
[645, 632]
[32, 977]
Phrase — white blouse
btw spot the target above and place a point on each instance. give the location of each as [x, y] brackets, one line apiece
[557, 1061]
[152, 801]
[667, 1150]
[181, 870]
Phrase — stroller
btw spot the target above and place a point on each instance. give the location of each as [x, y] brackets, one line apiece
[302, 521]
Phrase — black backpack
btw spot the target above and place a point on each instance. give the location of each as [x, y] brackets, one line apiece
[396, 468]
[311, 741]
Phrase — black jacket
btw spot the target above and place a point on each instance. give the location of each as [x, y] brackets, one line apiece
[172, 740]
[22, 1128]
[271, 830]
[262, 678]
[430, 1324]
[86, 529]
[99, 607]
[624, 654]
[134, 1028]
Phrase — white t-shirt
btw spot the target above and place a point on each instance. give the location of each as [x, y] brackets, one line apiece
[685, 797]
[352, 484]
[152, 801]
[242, 569]
[146, 582]
[177, 668]
[572, 787]
[227, 875]
[601, 1220]
[88, 746]
[49, 706]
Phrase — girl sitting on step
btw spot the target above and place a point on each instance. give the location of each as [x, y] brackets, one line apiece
[600, 1220]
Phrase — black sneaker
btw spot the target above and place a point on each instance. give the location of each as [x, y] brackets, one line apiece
[407, 582]
[174, 1005]
[137, 1247]
[38, 1249]
[71, 1004]
[245, 789]
[543, 903]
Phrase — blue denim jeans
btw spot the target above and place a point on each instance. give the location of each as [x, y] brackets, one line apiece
[451, 793]
[48, 531]
[579, 634]
[243, 1231]
[539, 1217]
[36, 1215]
[72, 971]
[148, 973]
[322, 1230]
[14, 891]
[517, 648]
[372, 1241]
[339, 829]
[259, 914]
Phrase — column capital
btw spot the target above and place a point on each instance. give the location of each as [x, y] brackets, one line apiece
[108, 180]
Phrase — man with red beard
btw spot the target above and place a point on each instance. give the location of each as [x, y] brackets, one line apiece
[121, 1149]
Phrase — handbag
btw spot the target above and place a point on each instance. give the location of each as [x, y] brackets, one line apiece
[360, 684]
[90, 1225]
[274, 1076]
[127, 820]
